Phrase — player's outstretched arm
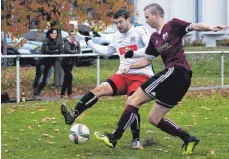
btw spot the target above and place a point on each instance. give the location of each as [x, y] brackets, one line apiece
[205, 27]
[141, 63]
[100, 49]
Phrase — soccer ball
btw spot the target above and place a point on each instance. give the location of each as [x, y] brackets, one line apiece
[79, 134]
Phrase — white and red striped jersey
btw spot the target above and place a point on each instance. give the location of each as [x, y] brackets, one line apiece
[136, 39]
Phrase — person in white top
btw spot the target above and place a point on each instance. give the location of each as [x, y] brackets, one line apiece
[128, 42]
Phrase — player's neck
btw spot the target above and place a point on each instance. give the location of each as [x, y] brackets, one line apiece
[129, 27]
[160, 24]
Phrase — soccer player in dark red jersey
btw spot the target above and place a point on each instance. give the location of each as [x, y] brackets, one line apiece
[168, 86]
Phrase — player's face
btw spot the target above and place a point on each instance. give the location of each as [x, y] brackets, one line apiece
[151, 19]
[122, 24]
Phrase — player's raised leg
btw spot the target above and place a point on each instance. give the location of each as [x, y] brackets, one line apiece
[86, 102]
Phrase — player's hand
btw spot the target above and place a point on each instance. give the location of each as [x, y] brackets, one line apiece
[218, 28]
[125, 70]
[87, 39]
[129, 54]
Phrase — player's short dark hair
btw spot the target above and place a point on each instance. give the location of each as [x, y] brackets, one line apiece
[71, 31]
[122, 13]
[155, 8]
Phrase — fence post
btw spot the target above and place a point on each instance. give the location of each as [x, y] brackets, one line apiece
[18, 79]
[98, 70]
[222, 70]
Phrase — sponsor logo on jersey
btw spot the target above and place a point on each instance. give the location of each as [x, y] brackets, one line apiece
[124, 49]
[165, 36]
[163, 47]
[132, 39]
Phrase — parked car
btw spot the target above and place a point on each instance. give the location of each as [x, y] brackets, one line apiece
[36, 38]
[25, 49]
[106, 35]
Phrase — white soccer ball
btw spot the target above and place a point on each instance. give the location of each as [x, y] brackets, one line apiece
[79, 134]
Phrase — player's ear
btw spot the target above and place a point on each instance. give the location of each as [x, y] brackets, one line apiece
[128, 19]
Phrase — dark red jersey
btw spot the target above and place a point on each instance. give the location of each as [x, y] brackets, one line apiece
[168, 43]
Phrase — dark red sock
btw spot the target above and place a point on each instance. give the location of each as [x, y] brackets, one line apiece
[127, 118]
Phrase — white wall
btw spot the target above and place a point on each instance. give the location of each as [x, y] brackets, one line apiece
[211, 12]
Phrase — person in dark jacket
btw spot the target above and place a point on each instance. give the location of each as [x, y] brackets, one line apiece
[71, 46]
[51, 45]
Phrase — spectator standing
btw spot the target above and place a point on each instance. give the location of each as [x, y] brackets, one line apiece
[71, 46]
[51, 45]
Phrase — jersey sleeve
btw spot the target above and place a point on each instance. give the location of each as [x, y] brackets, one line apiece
[180, 26]
[151, 51]
[106, 51]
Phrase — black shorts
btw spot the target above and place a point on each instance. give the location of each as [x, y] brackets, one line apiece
[168, 86]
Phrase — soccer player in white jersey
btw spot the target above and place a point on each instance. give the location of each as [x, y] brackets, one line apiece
[133, 40]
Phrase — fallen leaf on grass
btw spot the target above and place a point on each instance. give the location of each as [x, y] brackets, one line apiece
[57, 130]
[188, 125]
[5, 132]
[225, 118]
[149, 132]
[30, 127]
[48, 119]
[207, 118]
[38, 125]
[16, 139]
[158, 149]
[4, 145]
[166, 138]
[45, 135]
[50, 136]
[205, 108]
[50, 143]
[212, 152]
[22, 130]
[42, 110]
[84, 155]
[6, 150]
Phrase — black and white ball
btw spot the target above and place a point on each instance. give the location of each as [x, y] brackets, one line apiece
[79, 134]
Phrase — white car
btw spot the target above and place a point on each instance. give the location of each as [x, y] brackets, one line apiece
[25, 48]
[106, 35]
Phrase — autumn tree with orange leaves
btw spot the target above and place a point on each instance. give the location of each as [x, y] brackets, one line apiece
[18, 15]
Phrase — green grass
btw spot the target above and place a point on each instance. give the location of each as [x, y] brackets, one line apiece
[24, 124]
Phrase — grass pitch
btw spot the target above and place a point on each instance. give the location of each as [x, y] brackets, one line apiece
[37, 130]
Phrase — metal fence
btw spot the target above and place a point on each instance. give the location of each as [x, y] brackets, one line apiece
[98, 67]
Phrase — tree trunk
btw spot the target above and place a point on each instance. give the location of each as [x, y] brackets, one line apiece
[58, 71]
[58, 74]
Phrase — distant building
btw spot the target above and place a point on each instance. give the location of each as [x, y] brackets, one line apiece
[211, 12]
